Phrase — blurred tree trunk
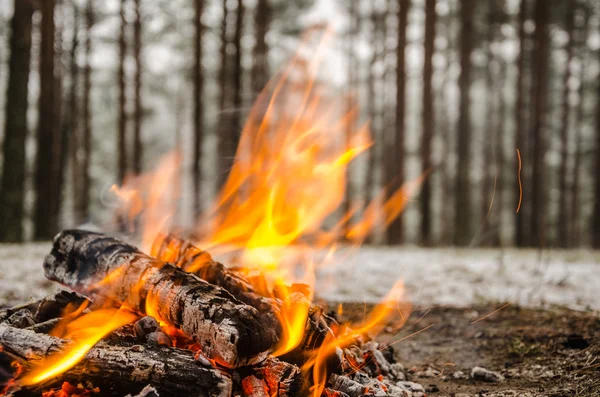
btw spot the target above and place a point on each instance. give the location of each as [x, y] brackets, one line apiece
[260, 65]
[428, 120]
[462, 233]
[48, 138]
[61, 146]
[224, 133]
[137, 113]
[198, 105]
[12, 188]
[122, 121]
[520, 136]
[83, 210]
[538, 138]
[445, 126]
[575, 218]
[596, 216]
[378, 48]
[394, 159]
[564, 234]
[500, 130]
[351, 94]
[72, 122]
[487, 185]
[238, 72]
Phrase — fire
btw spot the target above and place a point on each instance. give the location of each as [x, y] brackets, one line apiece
[84, 332]
[275, 212]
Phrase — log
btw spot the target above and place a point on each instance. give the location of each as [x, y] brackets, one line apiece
[282, 378]
[186, 255]
[120, 369]
[183, 254]
[254, 387]
[229, 332]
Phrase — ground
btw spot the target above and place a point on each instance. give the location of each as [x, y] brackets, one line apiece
[545, 340]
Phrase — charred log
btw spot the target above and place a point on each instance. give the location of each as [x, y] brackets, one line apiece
[282, 379]
[229, 332]
[189, 257]
[173, 372]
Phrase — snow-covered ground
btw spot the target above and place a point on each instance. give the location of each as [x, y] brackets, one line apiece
[432, 276]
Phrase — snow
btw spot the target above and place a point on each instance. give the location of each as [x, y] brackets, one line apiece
[451, 277]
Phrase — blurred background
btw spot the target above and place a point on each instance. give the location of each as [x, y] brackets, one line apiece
[498, 100]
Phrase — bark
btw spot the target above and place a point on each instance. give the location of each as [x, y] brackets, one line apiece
[520, 136]
[260, 66]
[462, 234]
[61, 144]
[394, 162]
[229, 332]
[500, 153]
[137, 114]
[538, 133]
[282, 379]
[580, 123]
[48, 138]
[238, 72]
[173, 372]
[12, 188]
[428, 121]
[122, 118]
[224, 145]
[190, 258]
[73, 120]
[596, 214]
[84, 203]
[198, 107]
[376, 26]
[487, 184]
[564, 234]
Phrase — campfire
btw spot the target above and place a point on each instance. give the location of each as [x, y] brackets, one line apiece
[167, 319]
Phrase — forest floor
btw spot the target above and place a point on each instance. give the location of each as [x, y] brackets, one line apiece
[545, 340]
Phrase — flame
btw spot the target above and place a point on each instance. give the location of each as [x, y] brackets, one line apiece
[276, 212]
[84, 332]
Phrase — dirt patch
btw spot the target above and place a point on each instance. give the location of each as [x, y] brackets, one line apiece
[553, 352]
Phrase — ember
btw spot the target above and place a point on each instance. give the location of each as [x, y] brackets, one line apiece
[180, 321]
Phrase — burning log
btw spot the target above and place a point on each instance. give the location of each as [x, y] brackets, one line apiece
[254, 387]
[229, 332]
[189, 257]
[173, 372]
[282, 379]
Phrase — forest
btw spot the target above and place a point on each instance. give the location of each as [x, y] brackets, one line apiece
[496, 102]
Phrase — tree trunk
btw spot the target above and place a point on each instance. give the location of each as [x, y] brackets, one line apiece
[73, 121]
[12, 188]
[83, 210]
[564, 234]
[462, 233]
[137, 115]
[61, 128]
[520, 132]
[538, 133]
[224, 145]
[580, 124]
[46, 223]
[238, 72]
[428, 120]
[394, 162]
[487, 185]
[260, 65]
[198, 107]
[500, 140]
[122, 121]
[596, 216]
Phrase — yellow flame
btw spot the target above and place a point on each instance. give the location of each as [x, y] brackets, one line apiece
[84, 332]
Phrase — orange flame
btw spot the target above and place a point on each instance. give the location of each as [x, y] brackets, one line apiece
[84, 332]
[275, 212]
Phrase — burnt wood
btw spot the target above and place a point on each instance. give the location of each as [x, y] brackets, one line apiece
[229, 332]
[120, 368]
